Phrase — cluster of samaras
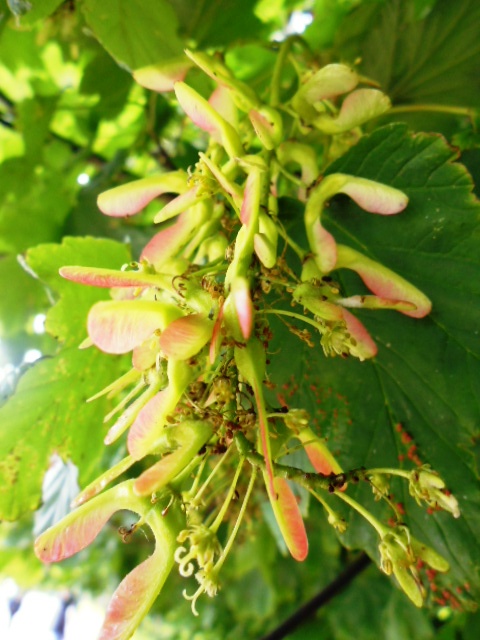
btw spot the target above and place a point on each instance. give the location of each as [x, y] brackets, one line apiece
[193, 312]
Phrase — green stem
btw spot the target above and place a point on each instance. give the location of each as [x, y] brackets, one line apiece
[231, 539]
[436, 108]
[376, 524]
[277, 72]
[297, 316]
[117, 385]
[392, 472]
[280, 283]
[217, 266]
[125, 400]
[187, 473]
[196, 481]
[283, 53]
[290, 176]
[213, 499]
[244, 248]
[323, 502]
[228, 499]
[210, 477]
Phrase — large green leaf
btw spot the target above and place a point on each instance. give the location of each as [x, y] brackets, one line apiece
[427, 374]
[48, 414]
[34, 118]
[67, 319]
[216, 23]
[104, 78]
[327, 18]
[135, 32]
[26, 196]
[372, 609]
[434, 60]
[21, 297]
[30, 12]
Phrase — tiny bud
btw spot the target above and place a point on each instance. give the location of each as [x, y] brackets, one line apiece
[337, 521]
[380, 484]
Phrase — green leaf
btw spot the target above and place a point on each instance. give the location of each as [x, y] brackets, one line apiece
[19, 7]
[434, 60]
[30, 11]
[327, 18]
[136, 33]
[395, 617]
[22, 297]
[106, 79]
[67, 319]
[48, 414]
[427, 373]
[213, 24]
[30, 200]
[34, 117]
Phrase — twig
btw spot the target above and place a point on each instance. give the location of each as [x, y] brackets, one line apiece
[309, 608]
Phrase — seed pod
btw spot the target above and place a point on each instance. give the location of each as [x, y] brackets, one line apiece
[130, 198]
[268, 126]
[189, 436]
[384, 282]
[359, 107]
[289, 519]
[204, 116]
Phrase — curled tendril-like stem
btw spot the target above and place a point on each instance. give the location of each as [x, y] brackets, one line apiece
[208, 579]
[204, 548]
[185, 568]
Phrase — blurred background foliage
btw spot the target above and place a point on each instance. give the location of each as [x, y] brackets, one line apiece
[74, 123]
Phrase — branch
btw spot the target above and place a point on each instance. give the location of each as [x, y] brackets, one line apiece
[309, 608]
[308, 480]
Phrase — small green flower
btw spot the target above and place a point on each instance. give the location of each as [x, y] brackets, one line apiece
[337, 522]
[204, 547]
[396, 556]
[380, 484]
[399, 554]
[209, 584]
[208, 580]
[426, 485]
[335, 341]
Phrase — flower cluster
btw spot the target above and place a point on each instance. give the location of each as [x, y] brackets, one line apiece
[400, 553]
[426, 485]
[192, 314]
